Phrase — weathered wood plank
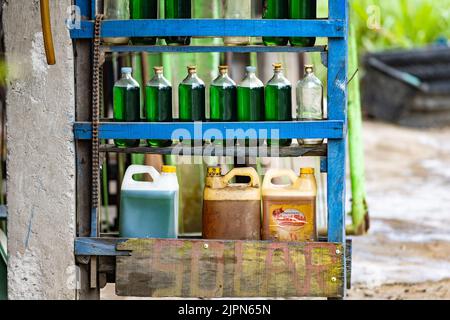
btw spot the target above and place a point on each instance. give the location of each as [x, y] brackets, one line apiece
[213, 269]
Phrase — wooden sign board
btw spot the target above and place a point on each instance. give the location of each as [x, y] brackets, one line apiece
[215, 269]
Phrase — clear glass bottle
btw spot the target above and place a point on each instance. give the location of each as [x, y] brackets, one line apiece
[310, 101]
[159, 103]
[237, 9]
[250, 95]
[127, 104]
[278, 101]
[144, 9]
[116, 10]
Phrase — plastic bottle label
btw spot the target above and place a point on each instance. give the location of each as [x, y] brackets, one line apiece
[292, 221]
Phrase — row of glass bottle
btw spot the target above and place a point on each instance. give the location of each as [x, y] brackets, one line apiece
[233, 9]
[248, 101]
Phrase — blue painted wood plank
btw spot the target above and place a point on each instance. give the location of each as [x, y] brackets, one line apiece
[94, 222]
[85, 8]
[337, 98]
[213, 28]
[3, 212]
[207, 130]
[93, 9]
[323, 164]
[240, 49]
[98, 247]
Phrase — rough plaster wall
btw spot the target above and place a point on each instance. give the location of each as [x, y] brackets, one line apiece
[41, 159]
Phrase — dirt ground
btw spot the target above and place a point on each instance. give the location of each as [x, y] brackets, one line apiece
[407, 252]
[406, 255]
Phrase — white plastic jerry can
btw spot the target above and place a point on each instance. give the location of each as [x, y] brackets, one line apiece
[149, 209]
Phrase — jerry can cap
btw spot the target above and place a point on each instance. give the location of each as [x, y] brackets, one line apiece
[169, 169]
[214, 171]
[307, 171]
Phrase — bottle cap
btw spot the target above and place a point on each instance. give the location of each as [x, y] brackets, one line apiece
[278, 66]
[307, 171]
[169, 169]
[192, 69]
[309, 68]
[214, 171]
[127, 70]
[223, 69]
[158, 69]
[250, 69]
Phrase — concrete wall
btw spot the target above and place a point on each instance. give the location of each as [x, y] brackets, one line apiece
[41, 156]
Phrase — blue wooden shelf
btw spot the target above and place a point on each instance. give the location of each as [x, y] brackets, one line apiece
[187, 49]
[173, 130]
[329, 28]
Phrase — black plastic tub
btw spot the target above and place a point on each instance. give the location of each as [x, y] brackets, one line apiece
[410, 88]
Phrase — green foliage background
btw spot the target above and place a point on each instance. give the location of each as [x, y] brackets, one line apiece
[402, 23]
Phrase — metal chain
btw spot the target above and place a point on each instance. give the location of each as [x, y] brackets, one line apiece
[96, 87]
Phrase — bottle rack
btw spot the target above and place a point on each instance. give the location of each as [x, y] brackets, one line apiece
[203, 268]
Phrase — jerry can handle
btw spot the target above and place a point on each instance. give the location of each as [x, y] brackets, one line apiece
[244, 172]
[137, 169]
[277, 173]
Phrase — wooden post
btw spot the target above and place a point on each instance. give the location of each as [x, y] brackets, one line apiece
[83, 89]
[337, 110]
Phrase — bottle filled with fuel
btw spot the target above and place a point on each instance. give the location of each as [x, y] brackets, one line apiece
[144, 9]
[250, 93]
[191, 95]
[302, 9]
[178, 9]
[278, 101]
[159, 103]
[275, 9]
[127, 104]
[223, 98]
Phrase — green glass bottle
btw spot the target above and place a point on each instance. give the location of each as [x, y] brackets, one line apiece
[303, 9]
[278, 102]
[127, 104]
[275, 9]
[223, 99]
[250, 95]
[178, 9]
[159, 103]
[144, 9]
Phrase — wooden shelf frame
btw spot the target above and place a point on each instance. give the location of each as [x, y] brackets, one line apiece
[335, 28]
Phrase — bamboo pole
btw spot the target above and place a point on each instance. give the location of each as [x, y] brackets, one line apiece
[359, 213]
